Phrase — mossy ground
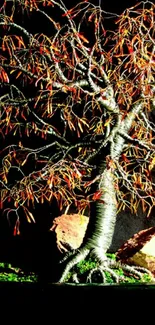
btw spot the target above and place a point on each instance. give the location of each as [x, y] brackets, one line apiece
[13, 274]
[83, 268]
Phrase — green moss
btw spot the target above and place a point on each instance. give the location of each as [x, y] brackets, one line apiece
[82, 270]
[5, 265]
[86, 265]
[5, 277]
[146, 278]
[108, 277]
[68, 277]
[112, 256]
[12, 274]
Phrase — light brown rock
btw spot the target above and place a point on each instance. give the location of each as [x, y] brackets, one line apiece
[70, 231]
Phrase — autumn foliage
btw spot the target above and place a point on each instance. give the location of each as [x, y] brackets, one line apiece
[68, 90]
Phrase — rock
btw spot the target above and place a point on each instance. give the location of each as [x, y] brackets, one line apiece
[139, 250]
[70, 231]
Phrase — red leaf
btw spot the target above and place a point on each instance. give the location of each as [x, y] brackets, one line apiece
[16, 230]
[97, 195]
[130, 49]
[125, 158]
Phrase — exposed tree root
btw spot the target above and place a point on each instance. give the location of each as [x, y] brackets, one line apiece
[80, 256]
[134, 270]
[105, 265]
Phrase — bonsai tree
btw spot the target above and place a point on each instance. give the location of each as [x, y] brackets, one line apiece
[77, 107]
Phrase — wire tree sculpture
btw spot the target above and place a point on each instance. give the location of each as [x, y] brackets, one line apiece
[88, 93]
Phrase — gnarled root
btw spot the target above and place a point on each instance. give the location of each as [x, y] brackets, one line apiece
[80, 256]
[105, 265]
[109, 265]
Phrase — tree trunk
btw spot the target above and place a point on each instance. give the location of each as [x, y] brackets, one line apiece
[103, 212]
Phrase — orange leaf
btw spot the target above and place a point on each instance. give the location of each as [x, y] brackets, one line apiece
[30, 217]
[19, 73]
[67, 181]
[82, 37]
[5, 77]
[68, 12]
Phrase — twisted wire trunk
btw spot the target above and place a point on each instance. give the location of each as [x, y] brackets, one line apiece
[102, 214]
